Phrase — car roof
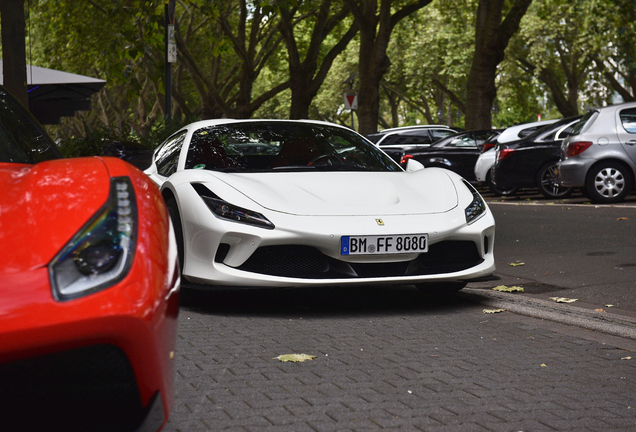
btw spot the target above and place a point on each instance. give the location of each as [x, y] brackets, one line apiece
[512, 133]
[215, 122]
[406, 128]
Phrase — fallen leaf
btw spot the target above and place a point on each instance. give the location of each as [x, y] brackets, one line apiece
[609, 305]
[626, 358]
[504, 288]
[517, 264]
[544, 365]
[563, 300]
[599, 310]
[622, 218]
[295, 357]
[492, 311]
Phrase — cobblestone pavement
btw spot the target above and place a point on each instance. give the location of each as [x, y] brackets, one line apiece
[389, 359]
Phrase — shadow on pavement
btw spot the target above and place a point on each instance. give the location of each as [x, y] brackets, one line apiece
[321, 301]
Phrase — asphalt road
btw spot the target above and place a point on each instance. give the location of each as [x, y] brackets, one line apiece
[392, 358]
[570, 248]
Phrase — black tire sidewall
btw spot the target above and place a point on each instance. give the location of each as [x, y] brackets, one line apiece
[567, 191]
[594, 171]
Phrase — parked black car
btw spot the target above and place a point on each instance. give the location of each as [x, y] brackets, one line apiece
[531, 161]
[457, 152]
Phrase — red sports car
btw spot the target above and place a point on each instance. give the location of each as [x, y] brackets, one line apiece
[89, 288]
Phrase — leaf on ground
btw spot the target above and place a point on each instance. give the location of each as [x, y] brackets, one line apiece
[626, 358]
[504, 288]
[622, 218]
[609, 305]
[516, 264]
[563, 300]
[599, 310]
[492, 311]
[544, 365]
[295, 357]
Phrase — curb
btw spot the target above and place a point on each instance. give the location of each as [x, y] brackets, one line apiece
[613, 324]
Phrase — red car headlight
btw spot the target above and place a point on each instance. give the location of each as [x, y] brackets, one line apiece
[101, 253]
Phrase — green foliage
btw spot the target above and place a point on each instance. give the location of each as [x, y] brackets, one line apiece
[96, 142]
[217, 73]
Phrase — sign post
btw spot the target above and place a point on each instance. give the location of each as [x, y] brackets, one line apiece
[351, 102]
[170, 55]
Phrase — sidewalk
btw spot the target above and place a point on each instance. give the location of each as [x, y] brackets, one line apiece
[392, 359]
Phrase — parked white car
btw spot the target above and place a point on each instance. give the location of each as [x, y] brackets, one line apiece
[275, 203]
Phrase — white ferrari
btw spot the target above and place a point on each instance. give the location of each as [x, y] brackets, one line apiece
[280, 203]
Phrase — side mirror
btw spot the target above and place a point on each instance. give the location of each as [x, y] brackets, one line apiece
[413, 165]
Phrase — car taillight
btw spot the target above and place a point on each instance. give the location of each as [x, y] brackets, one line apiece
[487, 146]
[504, 153]
[576, 148]
[405, 158]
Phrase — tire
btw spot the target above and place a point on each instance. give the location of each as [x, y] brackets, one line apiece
[547, 182]
[440, 288]
[497, 191]
[173, 210]
[608, 182]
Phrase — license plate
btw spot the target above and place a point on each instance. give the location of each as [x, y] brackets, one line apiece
[391, 244]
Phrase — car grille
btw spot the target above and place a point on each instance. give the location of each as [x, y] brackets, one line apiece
[91, 388]
[309, 263]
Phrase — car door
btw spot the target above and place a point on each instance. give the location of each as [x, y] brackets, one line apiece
[626, 129]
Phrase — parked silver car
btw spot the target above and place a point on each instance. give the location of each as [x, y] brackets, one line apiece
[600, 154]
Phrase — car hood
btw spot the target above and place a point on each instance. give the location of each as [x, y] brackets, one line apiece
[348, 193]
[42, 206]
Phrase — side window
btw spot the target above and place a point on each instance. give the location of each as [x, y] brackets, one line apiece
[563, 134]
[438, 134]
[628, 119]
[167, 156]
[464, 142]
[407, 138]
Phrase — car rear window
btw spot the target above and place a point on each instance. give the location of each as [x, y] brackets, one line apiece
[585, 122]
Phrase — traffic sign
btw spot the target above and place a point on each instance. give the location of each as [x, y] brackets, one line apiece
[351, 99]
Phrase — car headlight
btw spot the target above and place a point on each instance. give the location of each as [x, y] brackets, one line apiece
[477, 207]
[229, 212]
[101, 253]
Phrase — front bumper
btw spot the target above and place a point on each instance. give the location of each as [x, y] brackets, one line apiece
[304, 251]
[102, 362]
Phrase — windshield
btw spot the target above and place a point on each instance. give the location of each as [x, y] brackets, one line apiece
[22, 139]
[283, 146]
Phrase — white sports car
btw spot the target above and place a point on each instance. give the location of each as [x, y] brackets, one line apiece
[280, 203]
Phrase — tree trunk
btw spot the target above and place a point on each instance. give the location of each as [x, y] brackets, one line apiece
[307, 76]
[14, 67]
[492, 35]
[375, 33]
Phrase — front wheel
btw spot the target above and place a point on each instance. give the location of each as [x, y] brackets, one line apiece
[499, 191]
[547, 182]
[608, 182]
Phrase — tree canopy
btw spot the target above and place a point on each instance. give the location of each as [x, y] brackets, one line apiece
[469, 63]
